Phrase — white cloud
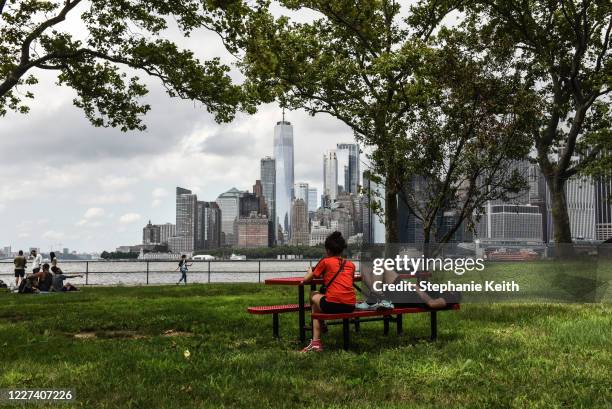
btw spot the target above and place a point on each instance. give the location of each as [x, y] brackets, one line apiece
[116, 182]
[108, 199]
[93, 212]
[130, 218]
[159, 192]
[156, 203]
[53, 235]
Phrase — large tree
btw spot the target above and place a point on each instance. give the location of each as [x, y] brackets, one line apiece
[469, 131]
[562, 49]
[354, 61]
[112, 41]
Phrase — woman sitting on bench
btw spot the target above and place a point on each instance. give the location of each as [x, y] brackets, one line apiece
[337, 295]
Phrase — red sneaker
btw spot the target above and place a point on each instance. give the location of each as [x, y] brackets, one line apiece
[315, 346]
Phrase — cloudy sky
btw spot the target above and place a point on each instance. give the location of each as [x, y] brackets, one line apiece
[67, 184]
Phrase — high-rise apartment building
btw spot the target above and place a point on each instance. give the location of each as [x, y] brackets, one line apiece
[229, 203]
[283, 154]
[268, 185]
[330, 175]
[166, 231]
[300, 235]
[348, 166]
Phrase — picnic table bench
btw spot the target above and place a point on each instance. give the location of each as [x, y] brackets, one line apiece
[355, 317]
[359, 316]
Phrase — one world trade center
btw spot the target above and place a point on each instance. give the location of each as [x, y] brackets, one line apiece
[283, 153]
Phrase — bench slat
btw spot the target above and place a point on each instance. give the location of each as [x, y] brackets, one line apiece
[275, 309]
[363, 314]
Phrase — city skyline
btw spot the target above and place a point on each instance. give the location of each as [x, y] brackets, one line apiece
[111, 208]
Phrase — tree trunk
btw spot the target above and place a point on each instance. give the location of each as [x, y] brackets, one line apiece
[391, 232]
[560, 216]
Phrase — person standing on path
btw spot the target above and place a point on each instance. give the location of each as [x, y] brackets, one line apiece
[20, 266]
[183, 267]
[36, 262]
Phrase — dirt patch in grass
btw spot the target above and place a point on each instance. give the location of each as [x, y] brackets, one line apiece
[109, 334]
[127, 334]
[175, 333]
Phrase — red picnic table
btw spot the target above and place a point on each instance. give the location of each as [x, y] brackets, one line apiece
[300, 284]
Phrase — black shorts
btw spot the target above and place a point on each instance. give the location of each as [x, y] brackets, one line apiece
[335, 308]
[19, 273]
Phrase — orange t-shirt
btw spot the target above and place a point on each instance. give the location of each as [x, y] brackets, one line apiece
[341, 290]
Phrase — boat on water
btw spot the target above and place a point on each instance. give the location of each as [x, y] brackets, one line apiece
[237, 257]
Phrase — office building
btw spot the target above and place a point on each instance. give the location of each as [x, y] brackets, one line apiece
[318, 234]
[209, 226]
[186, 220]
[313, 204]
[348, 167]
[580, 199]
[268, 185]
[603, 200]
[258, 192]
[249, 202]
[251, 231]
[299, 223]
[373, 197]
[229, 203]
[330, 176]
[510, 222]
[301, 192]
[283, 154]
[151, 234]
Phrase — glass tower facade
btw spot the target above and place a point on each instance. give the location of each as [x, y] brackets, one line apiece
[348, 166]
[283, 154]
[268, 183]
[229, 203]
[330, 175]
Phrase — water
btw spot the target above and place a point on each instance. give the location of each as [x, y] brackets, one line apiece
[164, 272]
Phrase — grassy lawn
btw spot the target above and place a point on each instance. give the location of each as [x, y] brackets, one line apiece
[504, 355]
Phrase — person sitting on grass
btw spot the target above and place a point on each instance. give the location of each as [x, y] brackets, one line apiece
[337, 295]
[59, 277]
[42, 280]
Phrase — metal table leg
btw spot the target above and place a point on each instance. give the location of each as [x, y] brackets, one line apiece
[302, 313]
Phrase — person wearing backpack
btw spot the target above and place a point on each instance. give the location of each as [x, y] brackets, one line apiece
[337, 294]
[183, 267]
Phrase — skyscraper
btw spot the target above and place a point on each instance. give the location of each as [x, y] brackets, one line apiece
[186, 220]
[301, 192]
[580, 199]
[209, 226]
[283, 153]
[229, 203]
[166, 231]
[312, 199]
[300, 235]
[268, 184]
[249, 202]
[330, 175]
[258, 192]
[348, 166]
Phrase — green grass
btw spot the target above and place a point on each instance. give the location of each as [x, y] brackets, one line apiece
[503, 355]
